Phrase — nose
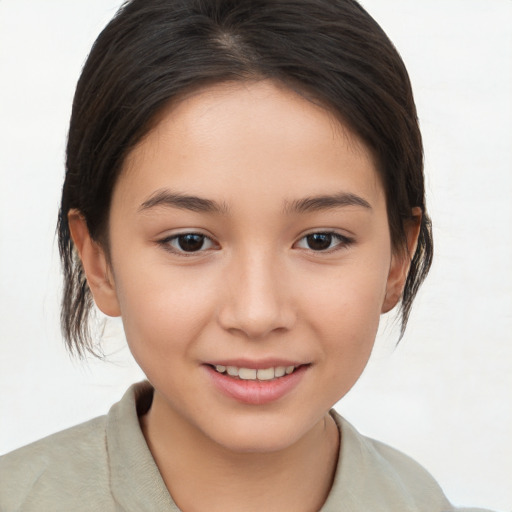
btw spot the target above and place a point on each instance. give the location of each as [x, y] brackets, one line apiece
[257, 301]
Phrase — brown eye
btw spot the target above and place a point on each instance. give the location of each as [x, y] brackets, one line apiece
[324, 242]
[319, 241]
[188, 243]
[191, 242]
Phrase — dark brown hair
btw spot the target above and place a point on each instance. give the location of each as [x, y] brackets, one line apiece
[153, 51]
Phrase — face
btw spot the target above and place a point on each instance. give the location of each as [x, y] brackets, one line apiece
[249, 236]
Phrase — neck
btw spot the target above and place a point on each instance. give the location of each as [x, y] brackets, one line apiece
[296, 478]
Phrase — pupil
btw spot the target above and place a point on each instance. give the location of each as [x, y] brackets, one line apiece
[190, 243]
[319, 241]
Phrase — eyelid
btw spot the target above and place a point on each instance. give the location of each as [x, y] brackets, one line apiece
[344, 241]
[165, 242]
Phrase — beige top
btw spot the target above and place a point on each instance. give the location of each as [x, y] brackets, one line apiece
[105, 465]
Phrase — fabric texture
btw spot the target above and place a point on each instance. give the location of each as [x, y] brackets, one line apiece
[105, 465]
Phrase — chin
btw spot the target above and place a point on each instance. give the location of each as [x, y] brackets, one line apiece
[260, 434]
[256, 444]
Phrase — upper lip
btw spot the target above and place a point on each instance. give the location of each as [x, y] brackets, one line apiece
[260, 364]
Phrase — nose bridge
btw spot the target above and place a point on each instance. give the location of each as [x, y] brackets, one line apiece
[257, 302]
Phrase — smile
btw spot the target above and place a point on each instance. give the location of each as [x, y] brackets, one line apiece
[253, 374]
[256, 386]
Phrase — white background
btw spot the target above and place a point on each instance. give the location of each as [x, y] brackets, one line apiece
[444, 395]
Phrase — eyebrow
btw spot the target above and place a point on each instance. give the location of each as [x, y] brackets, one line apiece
[171, 199]
[326, 202]
[182, 201]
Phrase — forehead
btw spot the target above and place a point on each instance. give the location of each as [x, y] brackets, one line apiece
[248, 138]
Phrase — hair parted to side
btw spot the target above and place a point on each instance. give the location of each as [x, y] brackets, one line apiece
[154, 51]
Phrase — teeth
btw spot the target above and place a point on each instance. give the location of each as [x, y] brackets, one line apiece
[247, 373]
[252, 374]
[280, 371]
[232, 370]
[267, 374]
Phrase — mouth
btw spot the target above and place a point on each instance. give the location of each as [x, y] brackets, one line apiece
[256, 386]
[261, 374]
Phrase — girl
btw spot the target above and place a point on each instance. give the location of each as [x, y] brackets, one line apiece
[244, 187]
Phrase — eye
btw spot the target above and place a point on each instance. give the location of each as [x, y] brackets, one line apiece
[188, 243]
[323, 241]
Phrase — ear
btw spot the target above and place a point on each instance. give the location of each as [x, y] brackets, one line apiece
[95, 264]
[401, 261]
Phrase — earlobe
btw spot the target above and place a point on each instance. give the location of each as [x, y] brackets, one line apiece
[401, 261]
[95, 264]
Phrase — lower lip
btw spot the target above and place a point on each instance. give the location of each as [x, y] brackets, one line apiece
[256, 392]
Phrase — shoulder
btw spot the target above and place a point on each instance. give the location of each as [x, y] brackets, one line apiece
[93, 466]
[31, 475]
[398, 481]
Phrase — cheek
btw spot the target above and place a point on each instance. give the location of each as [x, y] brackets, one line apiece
[344, 309]
[162, 309]
[354, 293]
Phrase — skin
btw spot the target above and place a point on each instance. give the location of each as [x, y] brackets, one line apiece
[256, 289]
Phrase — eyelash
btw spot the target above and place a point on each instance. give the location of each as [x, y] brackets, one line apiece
[167, 243]
[342, 242]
